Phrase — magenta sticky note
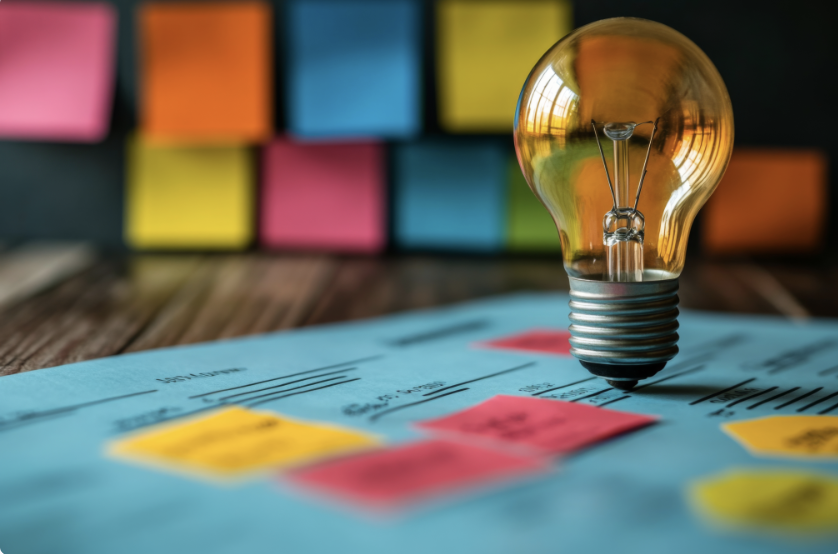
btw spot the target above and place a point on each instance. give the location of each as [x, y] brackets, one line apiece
[56, 70]
[324, 196]
[538, 424]
[404, 474]
[542, 341]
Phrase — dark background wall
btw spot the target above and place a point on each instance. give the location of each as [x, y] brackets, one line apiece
[778, 61]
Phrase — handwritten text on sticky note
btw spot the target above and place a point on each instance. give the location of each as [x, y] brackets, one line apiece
[770, 500]
[237, 441]
[546, 426]
[542, 341]
[797, 435]
[400, 475]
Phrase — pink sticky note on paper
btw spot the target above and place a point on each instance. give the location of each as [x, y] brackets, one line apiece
[56, 70]
[542, 425]
[404, 474]
[544, 341]
[327, 196]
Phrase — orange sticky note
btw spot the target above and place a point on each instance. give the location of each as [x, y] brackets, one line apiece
[206, 71]
[327, 196]
[770, 201]
[812, 437]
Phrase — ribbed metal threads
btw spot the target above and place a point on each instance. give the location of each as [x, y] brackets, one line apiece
[624, 323]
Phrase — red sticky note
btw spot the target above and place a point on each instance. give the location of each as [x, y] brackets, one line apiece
[324, 196]
[403, 474]
[544, 341]
[56, 70]
[540, 424]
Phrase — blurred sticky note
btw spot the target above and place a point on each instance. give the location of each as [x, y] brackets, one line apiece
[189, 196]
[354, 68]
[542, 341]
[763, 186]
[542, 425]
[404, 474]
[529, 225]
[814, 436]
[328, 196]
[206, 71]
[780, 500]
[485, 50]
[236, 441]
[450, 195]
[57, 70]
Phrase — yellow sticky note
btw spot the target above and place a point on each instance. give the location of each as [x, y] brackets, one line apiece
[189, 197]
[812, 436]
[787, 501]
[236, 442]
[485, 50]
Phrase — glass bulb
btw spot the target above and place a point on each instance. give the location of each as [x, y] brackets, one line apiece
[623, 130]
[624, 74]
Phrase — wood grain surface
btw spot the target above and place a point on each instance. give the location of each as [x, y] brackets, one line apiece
[133, 303]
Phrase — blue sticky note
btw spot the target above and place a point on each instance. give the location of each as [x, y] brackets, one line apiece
[354, 68]
[450, 195]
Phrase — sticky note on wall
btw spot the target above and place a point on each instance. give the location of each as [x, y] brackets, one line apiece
[327, 196]
[485, 50]
[206, 71]
[529, 225]
[57, 70]
[354, 68]
[450, 195]
[189, 196]
[770, 201]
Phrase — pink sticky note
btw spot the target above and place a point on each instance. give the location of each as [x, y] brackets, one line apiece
[56, 70]
[544, 341]
[326, 196]
[403, 474]
[542, 425]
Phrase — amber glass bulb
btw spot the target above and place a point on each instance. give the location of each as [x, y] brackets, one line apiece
[649, 97]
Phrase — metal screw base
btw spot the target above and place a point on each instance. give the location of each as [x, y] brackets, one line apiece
[623, 332]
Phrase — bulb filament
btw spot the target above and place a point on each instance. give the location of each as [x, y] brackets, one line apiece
[623, 226]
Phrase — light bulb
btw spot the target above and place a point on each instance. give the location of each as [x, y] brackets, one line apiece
[623, 130]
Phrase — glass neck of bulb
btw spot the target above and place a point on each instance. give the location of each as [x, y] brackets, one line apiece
[623, 226]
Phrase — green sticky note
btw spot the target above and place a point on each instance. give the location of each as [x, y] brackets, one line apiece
[529, 225]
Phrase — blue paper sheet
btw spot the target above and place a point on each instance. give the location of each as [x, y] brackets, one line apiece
[354, 68]
[450, 194]
[60, 493]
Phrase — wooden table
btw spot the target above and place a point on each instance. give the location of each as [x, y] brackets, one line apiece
[130, 303]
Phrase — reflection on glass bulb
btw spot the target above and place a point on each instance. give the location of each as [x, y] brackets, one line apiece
[623, 130]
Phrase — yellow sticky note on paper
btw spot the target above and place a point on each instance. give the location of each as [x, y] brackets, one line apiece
[485, 50]
[786, 501]
[189, 197]
[814, 437]
[235, 442]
